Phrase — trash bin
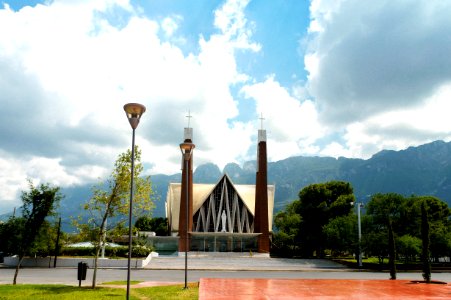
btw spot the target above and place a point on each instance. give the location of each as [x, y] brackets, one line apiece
[82, 269]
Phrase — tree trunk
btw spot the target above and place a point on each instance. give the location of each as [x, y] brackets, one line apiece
[101, 241]
[94, 272]
[17, 269]
[426, 241]
[391, 251]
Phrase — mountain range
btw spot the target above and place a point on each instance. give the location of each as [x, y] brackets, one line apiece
[422, 170]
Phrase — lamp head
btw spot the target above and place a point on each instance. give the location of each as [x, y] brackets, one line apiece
[187, 149]
[134, 112]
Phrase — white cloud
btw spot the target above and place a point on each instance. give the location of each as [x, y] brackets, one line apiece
[375, 73]
[336, 150]
[368, 57]
[399, 129]
[79, 62]
[292, 124]
[379, 72]
[11, 179]
[170, 25]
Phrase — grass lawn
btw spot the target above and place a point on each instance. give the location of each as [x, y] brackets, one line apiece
[64, 292]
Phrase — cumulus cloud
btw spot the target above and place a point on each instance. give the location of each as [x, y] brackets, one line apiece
[399, 129]
[68, 67]
[367, 57]
[379, 72]
[292, 124]
[378, 77]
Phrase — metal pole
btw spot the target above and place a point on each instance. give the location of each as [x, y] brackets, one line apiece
[187, 222]
[360, 235]
[57, 242]
[130, 216]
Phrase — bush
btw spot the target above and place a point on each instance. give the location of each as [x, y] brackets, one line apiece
[141, 251]
[112, 252]
[77, 251]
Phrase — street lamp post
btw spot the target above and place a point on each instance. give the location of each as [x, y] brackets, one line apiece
[187, 150]
[359, 257]
[134, 112]
[359, 227]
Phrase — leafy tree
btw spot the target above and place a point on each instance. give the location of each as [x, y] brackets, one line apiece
[111, 200]
[375, 243]
[440, 236]
[409, 247]
[410, 221]
[45, 240]
[405, 214]
[320, 203]
[383, 214]
[439, 224]
[143, 223]
[38, 203]
[438, 215]
[341, 234]
[286, 237]
[11, 235]
[384, 206]
[158, 225]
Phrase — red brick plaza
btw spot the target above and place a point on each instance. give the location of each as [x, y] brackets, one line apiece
[270, 289]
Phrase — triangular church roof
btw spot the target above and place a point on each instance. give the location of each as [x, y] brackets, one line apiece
[201, 192]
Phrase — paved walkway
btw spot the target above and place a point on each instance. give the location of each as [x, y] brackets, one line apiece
[237, 263]
[271, 289]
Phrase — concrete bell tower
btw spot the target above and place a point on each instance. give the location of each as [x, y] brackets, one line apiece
[261, 223]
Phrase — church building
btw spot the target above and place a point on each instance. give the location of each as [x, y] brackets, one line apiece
[222, 217]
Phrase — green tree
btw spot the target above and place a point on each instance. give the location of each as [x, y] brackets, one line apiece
[45, 240]
[286, 238]
[38, 203]
[438, 214]
[375, 243]
[384, 212]
[158, 225]
[405, 214]
[111, 199]
[440, 236]
[341, 234]
[11, 235]
[409, 247]
[320, 203]
[384, 206]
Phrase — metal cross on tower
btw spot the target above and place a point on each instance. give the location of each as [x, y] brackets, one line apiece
[189, 117]
[261, 121]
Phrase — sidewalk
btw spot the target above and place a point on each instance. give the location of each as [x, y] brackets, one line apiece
[268, 289]
[230, 263]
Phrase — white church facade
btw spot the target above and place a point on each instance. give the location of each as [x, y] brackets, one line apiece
[223, 215]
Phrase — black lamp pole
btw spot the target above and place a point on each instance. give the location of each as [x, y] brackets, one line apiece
[187, 150]
[187, 222]
[134, 112]
[130, 238]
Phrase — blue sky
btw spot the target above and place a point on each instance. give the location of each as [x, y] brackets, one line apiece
[331, 78]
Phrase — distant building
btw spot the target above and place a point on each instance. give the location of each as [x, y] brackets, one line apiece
[222, 217]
